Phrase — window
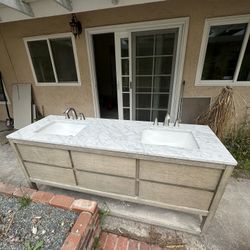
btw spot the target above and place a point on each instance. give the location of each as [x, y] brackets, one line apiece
[53, 60]
[225, 52]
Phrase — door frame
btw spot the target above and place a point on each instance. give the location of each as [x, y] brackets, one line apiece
[181, 23]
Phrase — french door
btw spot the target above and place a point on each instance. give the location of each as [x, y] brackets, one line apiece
[145, 63]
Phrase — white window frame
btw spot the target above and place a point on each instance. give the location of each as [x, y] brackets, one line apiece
[216, 22]
[47, 37]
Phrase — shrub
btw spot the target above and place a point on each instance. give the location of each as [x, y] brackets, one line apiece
[239, 146]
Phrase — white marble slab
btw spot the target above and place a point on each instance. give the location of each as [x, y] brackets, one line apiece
[125, 136]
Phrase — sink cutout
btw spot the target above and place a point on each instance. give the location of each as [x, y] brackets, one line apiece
[167, 137]
[65, 128]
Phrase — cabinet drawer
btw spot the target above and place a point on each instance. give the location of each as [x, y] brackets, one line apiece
[105, 183]
[50, 173]
[174, 195]
[184, 175]
[48, 156]
[104, 164]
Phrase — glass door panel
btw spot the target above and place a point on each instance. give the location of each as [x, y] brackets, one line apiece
[153, 71]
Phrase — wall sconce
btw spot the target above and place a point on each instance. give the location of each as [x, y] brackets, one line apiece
[76, 26]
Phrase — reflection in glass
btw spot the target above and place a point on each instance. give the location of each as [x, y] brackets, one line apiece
[224, 44]
[165, 44]
[143, 100]
[125, 98]
[144, 66]
[144, 84]
[244, 74]
[64, 60]
[124, 47]
[40, 57]
[160, 101]
[142, 115]
[163, 65]
[125, 84]
[145, 45]
[125, 67]
[126, 114]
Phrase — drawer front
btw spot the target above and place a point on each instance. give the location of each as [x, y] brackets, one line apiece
[50, 173]
[190, 176]
[174, 195]
[105, 183]
[104, 164]
[48, 156]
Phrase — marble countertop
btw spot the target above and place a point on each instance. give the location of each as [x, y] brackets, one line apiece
[125, 136]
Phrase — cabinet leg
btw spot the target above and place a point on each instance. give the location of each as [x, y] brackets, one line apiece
[33, 185]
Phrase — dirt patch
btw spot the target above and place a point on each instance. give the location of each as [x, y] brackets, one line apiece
[168, 241]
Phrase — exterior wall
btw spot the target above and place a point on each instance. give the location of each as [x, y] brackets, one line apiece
[56, 99]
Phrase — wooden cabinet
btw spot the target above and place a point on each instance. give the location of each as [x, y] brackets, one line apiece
[177, 186]
[112, 165]
[179, 174]
[50, 156]
[50, 173]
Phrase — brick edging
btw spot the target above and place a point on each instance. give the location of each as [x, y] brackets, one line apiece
[86, 227]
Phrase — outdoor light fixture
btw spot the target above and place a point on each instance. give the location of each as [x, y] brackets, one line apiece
[76, 26]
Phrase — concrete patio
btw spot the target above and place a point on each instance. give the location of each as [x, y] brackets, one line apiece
[230, 228]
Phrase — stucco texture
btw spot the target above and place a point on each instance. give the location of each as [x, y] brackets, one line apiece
[15, 66]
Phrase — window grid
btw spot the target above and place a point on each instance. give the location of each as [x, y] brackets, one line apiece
[151, 109]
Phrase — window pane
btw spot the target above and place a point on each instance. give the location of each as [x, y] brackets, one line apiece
[143, 83]
[159, 114]
[125, 84]
[165, 44]
[124, 47]
[142, 115]
[125, 98]
[161, 84]
[143, 100]
[144, 66]
[160, 101]
[223, 50]
[244, 74]
[145, 45]
[40, 57]
[64, 60]
[126, 115]
[163, 65]
[125, 67]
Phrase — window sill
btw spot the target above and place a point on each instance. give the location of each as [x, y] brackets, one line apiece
[220, 84]
[66, 84]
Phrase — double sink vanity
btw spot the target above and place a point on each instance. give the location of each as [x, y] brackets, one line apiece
[183, 169]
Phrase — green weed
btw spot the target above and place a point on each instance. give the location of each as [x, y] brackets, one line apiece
[36, 246]
[24, 201]
[239, 146]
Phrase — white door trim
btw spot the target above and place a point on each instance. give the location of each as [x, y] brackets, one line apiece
[181, 23]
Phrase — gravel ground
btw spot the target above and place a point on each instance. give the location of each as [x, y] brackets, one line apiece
[52, 225]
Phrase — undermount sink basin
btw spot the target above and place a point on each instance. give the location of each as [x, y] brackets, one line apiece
[167, 137]
[66, 128]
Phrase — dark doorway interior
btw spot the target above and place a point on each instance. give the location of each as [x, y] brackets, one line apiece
[104, 50]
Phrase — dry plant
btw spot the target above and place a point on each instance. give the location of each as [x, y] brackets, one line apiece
[220, 116]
